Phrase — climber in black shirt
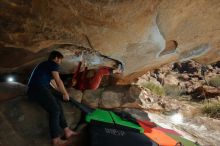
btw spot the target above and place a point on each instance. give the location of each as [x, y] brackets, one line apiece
[39, 90]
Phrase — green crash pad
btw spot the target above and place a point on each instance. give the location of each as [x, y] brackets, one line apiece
[111, 117]
[184, 141]
[99, 115]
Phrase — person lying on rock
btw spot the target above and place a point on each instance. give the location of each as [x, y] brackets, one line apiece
[87, 78]
[39, 90]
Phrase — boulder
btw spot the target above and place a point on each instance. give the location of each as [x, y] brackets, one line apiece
[9, 90]
[143, 35]
[133, 97]
[92, 97]
[111, 99]
[25, 123]
[171, 79]
[75, 94]
[205, 91]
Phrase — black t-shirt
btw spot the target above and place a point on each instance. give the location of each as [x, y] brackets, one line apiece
[42, 74]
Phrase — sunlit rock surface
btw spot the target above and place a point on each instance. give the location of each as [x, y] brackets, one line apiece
[141, 34]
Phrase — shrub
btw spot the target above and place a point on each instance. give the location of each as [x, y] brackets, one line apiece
[212, 109]
[173, 90]
[215, 81]
[156, 89]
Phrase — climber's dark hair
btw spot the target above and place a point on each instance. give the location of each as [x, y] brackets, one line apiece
[55, 54]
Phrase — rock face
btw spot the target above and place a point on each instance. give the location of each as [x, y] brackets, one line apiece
[204, 92]
[11, 90]
[24, 123]
[152, 32]
[131, 97]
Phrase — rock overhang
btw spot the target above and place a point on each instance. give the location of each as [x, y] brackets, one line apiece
[136, 33]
